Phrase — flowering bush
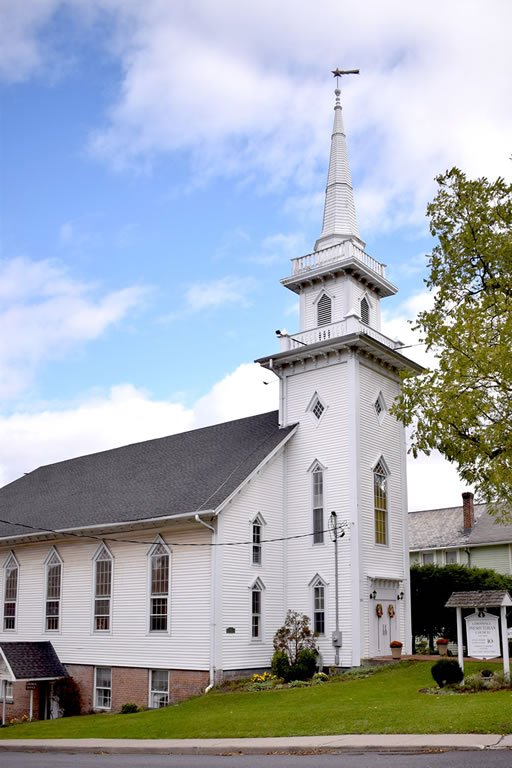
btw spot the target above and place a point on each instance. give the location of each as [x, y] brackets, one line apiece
[263, 682]
[442, 641]
[395, 644]
[25, 718]
[262, 678]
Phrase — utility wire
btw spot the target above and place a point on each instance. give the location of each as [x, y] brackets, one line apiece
[150, 543]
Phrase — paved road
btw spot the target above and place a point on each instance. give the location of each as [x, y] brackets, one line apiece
[477, 759]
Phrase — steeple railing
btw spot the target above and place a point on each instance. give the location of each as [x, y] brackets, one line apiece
[333, 331]
[342, 252]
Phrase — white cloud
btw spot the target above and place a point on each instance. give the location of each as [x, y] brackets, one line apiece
[124, 415]
[226, 290]
[44, 312]
[127, 415]
[280, 247]
[242, 88]
[396, 324]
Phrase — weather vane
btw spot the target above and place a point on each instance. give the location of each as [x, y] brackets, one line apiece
[337, 73]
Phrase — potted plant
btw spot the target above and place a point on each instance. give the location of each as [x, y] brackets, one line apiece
[396, 648]
[442, 646]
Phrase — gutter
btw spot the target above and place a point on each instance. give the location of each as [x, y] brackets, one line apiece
[212, 601]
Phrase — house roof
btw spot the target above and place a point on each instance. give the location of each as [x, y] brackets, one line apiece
[436, 528]
[184, 473]
[32, 661]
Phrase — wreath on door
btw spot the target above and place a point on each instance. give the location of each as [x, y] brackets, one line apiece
[391, 611]
[378, 610]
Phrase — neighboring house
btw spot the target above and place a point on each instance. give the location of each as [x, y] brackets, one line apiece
[159, 568]
[467, 535]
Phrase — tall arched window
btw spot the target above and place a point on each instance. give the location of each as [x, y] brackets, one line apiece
[10, 592]
[324, 310]
[102, 589]
[159, 587]
[380, 495]
[318, 504]
[256, 609]
[53, 590]
[318, 606]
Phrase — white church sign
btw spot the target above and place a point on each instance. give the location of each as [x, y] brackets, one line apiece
[482, 631]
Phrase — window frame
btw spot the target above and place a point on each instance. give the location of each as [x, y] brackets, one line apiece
[454, 552]
[259, 522]
[317, 583]
[381, 513]
[58, 616]
[11, 557]
[155, 692]
[103, 688]
[430, 553]
[96, 597]
[364, 298]
[256, 588]
[317, 512]
[162, 596]
[325, 311]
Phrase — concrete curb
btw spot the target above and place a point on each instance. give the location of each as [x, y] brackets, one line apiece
[399, 743]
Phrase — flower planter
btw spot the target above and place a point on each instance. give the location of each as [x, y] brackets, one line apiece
[396, 653]
[443, 649]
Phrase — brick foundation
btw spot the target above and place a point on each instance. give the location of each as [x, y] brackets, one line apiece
[131, 684]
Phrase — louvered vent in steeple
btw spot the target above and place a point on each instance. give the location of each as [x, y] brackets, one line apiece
[324, 310]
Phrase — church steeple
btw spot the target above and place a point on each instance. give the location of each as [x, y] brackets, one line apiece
[340, 221]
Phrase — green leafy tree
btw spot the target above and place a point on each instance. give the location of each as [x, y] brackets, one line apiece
[463, 407]
[431, 586]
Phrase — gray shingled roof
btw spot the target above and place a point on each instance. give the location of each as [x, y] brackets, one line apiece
[182, 473]
[433, 528]
[32, 661]
[485, 598]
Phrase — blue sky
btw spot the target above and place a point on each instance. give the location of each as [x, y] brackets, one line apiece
[161, 163]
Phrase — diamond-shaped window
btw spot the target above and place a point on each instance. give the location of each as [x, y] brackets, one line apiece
[380, 406]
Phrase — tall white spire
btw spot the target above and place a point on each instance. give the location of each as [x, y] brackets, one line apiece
[340, 221]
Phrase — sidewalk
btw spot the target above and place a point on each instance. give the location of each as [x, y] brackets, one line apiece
[400, 743]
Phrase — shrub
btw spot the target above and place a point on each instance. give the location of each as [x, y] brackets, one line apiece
[67, 691]
[447, 672]
[474, 682]
[298, 684]
[395, 644]
[305, 666]
[295, 636]
[486, 672]
[129, 708]
[281, 665]
[320, 677]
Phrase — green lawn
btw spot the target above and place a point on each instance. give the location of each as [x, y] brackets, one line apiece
[387, 702]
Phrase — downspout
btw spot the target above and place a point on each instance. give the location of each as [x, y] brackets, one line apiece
[212, 602]
[468, 553]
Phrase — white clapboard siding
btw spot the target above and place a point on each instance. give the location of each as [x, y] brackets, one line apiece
[262, 496]
[129, 643]
[327, 442]
[380, 438]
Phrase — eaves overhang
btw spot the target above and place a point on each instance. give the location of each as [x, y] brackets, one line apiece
[361, 342]
[102, 529]
[350, 266]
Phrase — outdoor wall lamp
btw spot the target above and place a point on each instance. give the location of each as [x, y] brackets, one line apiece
[373, 595]
[400, 596]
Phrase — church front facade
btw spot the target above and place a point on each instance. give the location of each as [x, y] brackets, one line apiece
[158, 569]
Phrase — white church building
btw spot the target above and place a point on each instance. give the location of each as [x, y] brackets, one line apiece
[152, 571]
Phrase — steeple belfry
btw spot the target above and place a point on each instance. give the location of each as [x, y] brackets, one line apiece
[340, 221]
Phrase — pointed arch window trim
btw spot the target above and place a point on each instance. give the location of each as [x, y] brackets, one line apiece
[317, 471]
[365, 308]
[256, 604]
[53, 591]
[257, 524]
[159, 587]
[11, 591]
[318, 587]
[324, 303]
[103, 578]
[380, 406]
[381, 474]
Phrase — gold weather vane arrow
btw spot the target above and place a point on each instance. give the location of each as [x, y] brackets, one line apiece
[337, 73]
